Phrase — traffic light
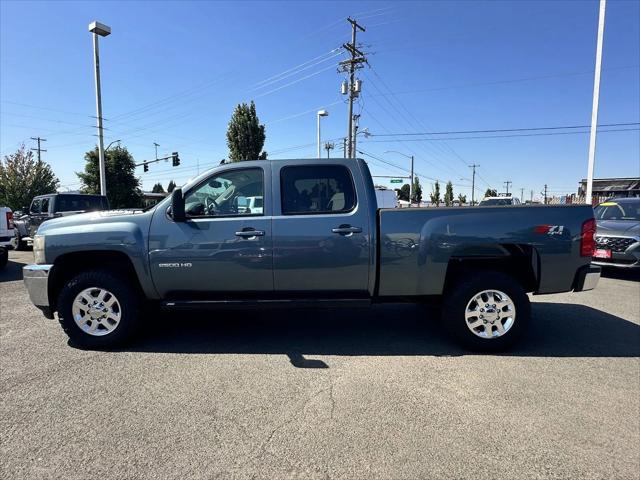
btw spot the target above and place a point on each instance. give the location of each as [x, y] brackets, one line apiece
[175, 158]
[146, 167]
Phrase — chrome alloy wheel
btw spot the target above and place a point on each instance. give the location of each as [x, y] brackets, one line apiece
[96, 311]
[490, 314]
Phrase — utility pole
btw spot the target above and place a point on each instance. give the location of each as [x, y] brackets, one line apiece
[596, 97]
[156, 145]
[356, 119]
[473, 183]
[545, 193]
[38, 139]
[353, 88]
[328, 146]
[531, 196]
[507, 183]
[522, 195]
[344, 147]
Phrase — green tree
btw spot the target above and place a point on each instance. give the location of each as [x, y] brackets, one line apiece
[123, 187]
[416, 194]
[22, 178]
[448, 194]
[403, 192]
[171, 186]
[462, 199]
[491, 192]
[245, 135]
[157, 188]
[435, 194]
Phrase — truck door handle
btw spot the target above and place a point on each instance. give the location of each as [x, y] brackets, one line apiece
[250, 232]
[346, 230]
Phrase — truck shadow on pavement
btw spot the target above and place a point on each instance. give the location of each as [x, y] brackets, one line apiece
[557, 330]
[13, 270]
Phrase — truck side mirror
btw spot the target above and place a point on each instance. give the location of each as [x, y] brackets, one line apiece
[177, 206]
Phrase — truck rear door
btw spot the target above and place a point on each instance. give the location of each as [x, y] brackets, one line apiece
[321, 228]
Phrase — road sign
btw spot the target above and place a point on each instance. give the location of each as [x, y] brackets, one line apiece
[396, 180]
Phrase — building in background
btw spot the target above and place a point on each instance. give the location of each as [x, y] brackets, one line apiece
[150, 198]
[612, 187]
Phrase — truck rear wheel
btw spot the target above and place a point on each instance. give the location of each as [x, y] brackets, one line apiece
[4, 257]
[486, 311]
[98, 310]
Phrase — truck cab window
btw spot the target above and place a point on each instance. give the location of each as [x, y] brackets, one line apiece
[316, 189]
[45, 205]
[234, 192]
[35, 206]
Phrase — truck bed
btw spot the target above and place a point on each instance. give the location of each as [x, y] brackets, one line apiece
[417, 245]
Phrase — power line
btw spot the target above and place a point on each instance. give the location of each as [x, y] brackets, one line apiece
[529, 129]
[499, 136]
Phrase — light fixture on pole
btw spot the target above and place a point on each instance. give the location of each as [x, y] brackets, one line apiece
[411, 179]
[99, 29]
[321, 113]
[109, 146]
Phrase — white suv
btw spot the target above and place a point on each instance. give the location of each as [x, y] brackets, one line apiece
[7, 233]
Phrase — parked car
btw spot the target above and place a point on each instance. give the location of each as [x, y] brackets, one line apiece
[320, 241]
[46, 207]
[618, 233]
[499, 201]
[6, 234]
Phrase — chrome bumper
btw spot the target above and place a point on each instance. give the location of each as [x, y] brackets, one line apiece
[36, 279]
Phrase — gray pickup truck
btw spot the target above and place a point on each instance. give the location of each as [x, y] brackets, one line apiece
[53, 205]
[318, 241]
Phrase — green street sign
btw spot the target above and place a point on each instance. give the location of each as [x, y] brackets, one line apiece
[396, 180]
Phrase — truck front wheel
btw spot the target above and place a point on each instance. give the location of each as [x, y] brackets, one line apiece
[98, 310]
[486, 311]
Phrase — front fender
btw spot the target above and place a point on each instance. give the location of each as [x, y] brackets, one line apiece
[123, 237]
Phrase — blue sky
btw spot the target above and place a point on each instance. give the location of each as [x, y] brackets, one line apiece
[172, 73]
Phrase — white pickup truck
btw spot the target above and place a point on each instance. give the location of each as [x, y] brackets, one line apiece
[6, 234]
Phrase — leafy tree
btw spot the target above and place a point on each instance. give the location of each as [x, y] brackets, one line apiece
[245, 135]
[22, 178]
[491, 192]
[435, 194]
[157, 188]
[462, 199]
[448, 194]
[403, 192]
[123, 187]
[416, 196]
[171, 186]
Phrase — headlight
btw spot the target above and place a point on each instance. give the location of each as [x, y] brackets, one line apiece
[38, 248]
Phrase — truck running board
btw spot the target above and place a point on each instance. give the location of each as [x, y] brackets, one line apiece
[268, 303]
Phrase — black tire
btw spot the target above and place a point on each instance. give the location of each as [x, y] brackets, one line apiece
[4, 257]
[462, 292]
[127, 296]
[18, 243]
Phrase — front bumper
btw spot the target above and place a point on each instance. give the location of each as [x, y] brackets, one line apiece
[36, 279]
[586, 278]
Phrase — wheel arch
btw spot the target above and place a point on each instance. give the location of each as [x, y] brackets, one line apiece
[69, 265]
[520, 262]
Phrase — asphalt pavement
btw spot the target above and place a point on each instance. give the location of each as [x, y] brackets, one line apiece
[353, 394]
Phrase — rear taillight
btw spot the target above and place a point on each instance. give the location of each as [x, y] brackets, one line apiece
[587, 238]
[10, 220]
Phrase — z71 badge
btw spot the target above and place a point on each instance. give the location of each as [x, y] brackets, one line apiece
[550, 229]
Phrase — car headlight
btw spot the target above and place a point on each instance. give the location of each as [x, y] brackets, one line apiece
[38, 248]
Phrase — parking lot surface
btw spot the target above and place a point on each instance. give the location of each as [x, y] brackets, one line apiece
[378, 393]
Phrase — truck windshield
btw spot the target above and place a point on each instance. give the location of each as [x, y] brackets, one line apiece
[74, 203]
[628, 210]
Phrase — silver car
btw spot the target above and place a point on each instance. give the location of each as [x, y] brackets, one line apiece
[618, 233]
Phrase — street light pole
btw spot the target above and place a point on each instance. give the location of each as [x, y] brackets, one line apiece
[321, 113]
[98, 29]
[596, 97]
